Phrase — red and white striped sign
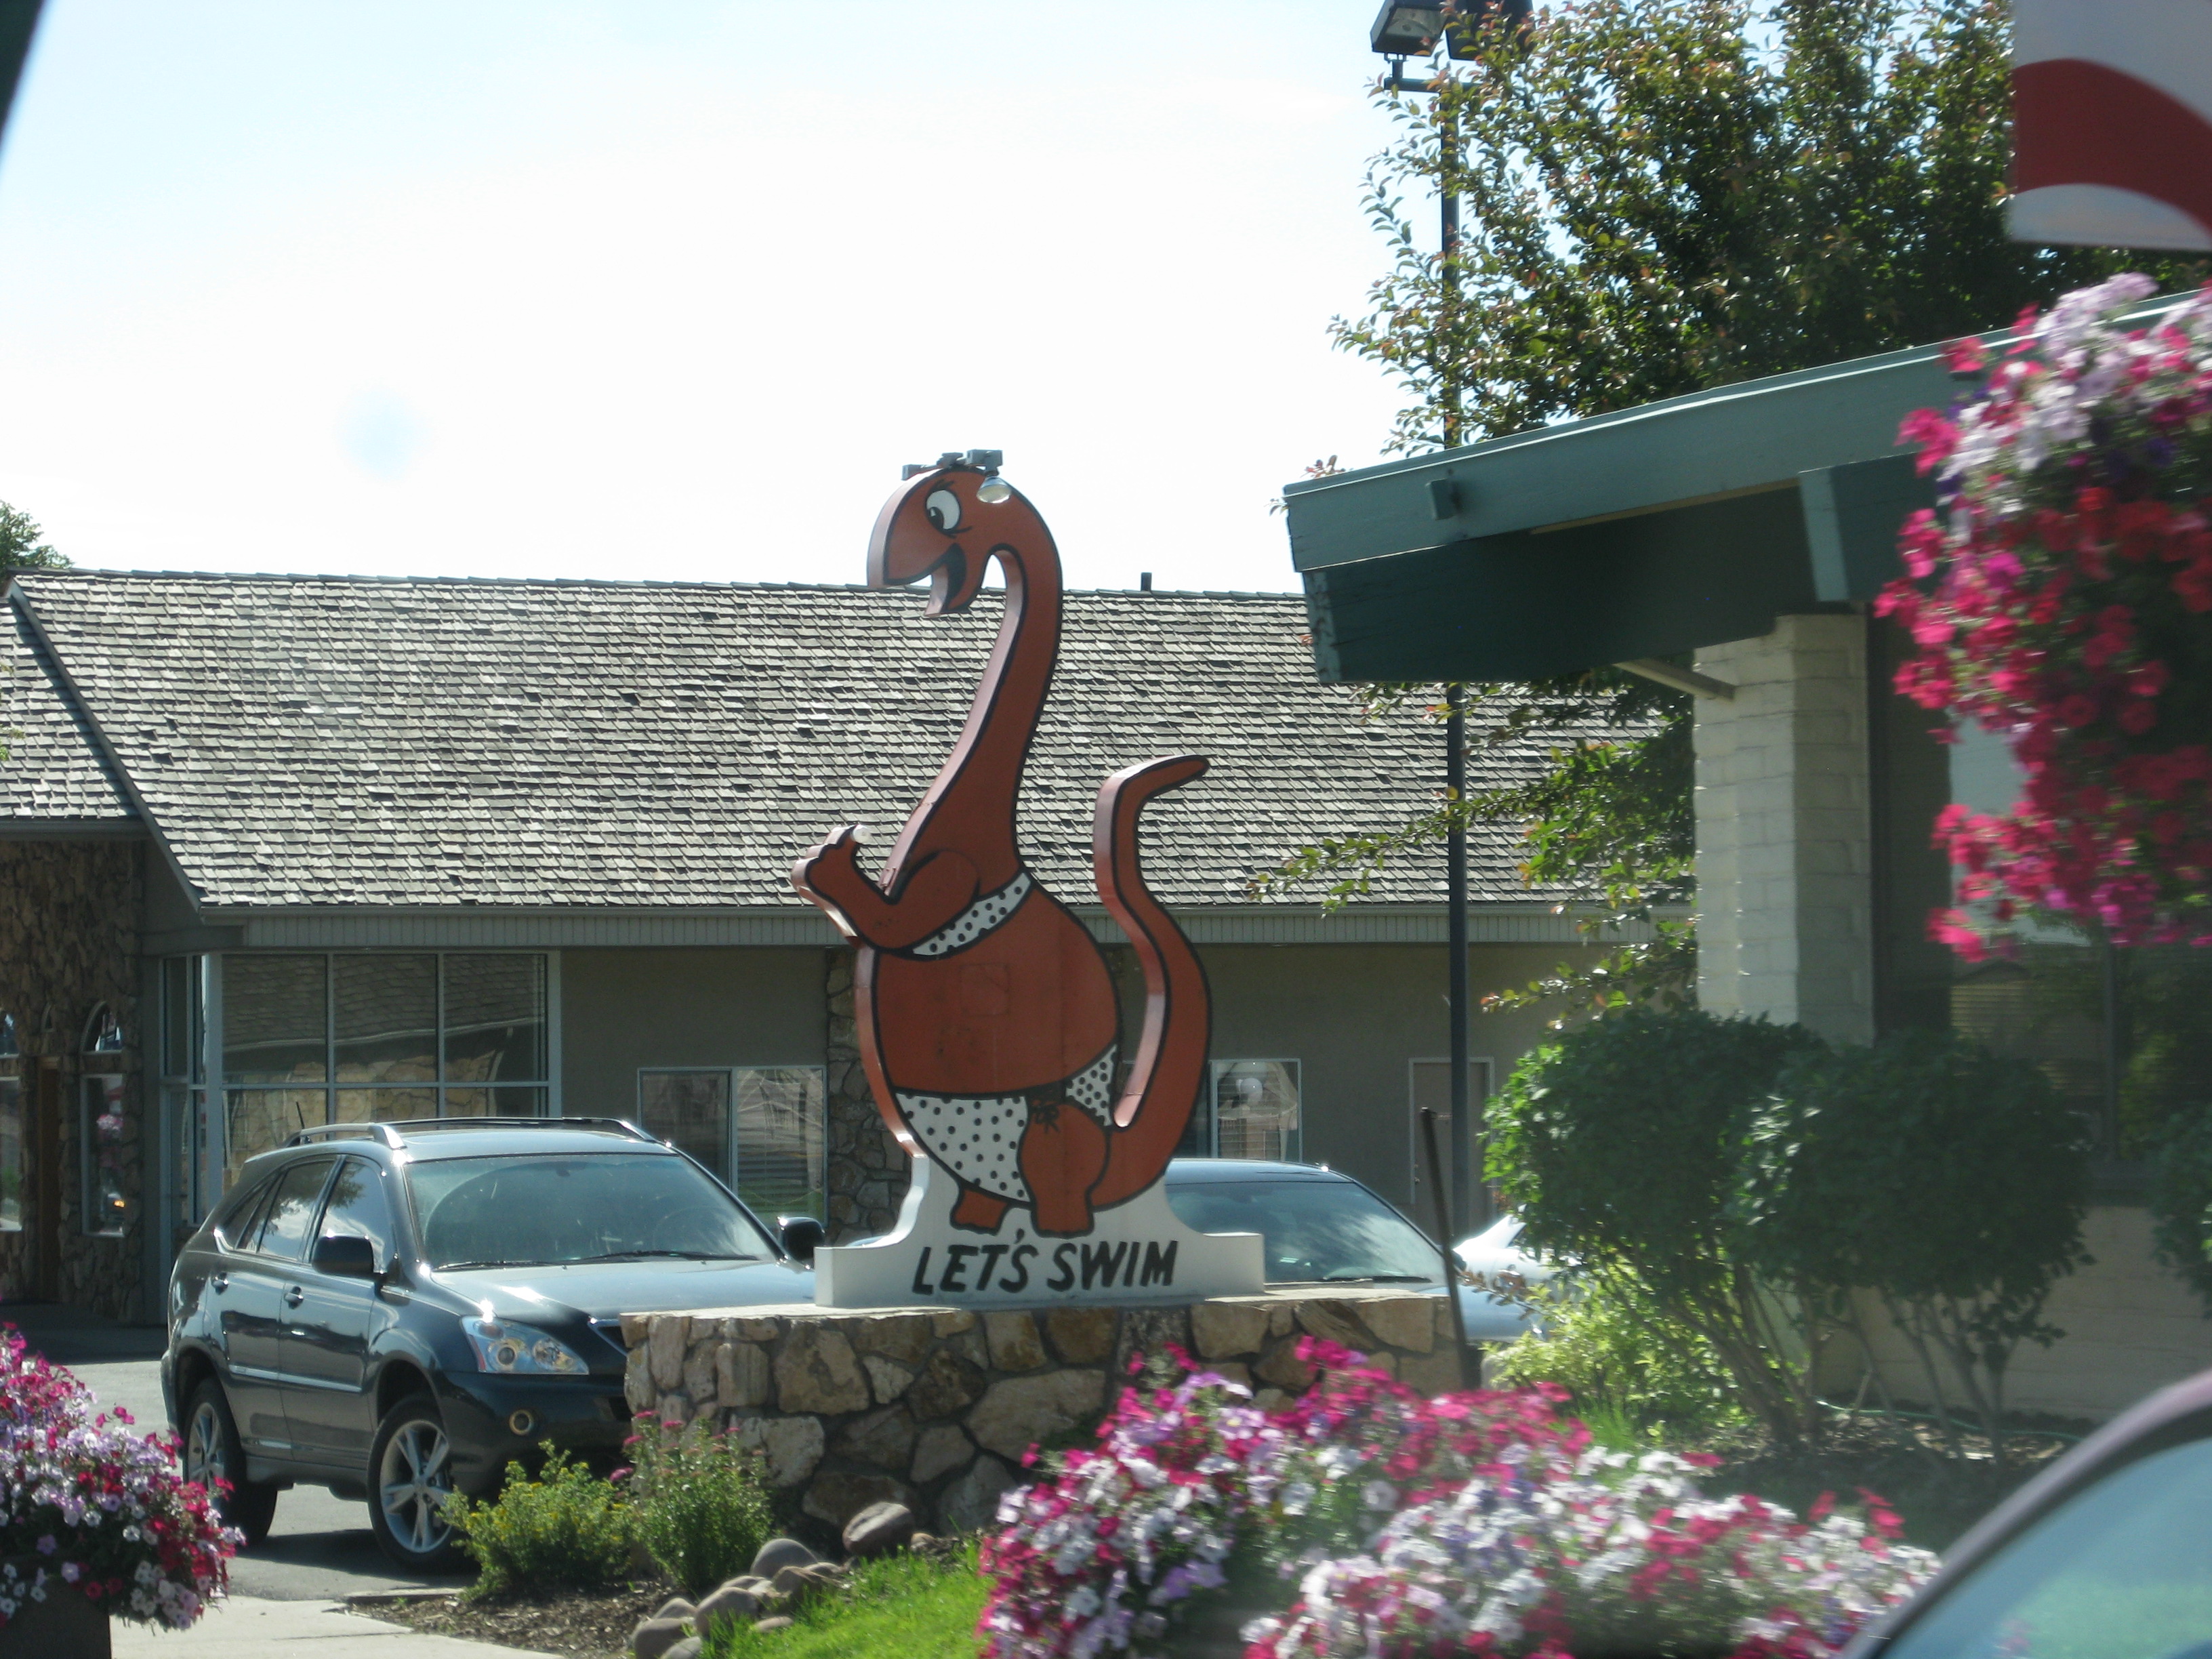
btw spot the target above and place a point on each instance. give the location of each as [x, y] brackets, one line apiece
[2113, 123]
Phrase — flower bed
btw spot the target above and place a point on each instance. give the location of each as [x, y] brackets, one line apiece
[1393, 1524]
[2061, 597]
[90, 1509]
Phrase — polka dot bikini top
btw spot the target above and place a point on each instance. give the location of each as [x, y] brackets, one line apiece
[977, 920]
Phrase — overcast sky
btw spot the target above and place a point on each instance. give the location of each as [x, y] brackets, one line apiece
[670, 288]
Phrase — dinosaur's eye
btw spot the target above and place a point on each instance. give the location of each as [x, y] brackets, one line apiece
[944, 509]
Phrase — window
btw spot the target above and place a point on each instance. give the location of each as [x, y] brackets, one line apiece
[763, 1129]
[285, 1232]
[1431, 1086]
[15, 1161]
[368, 1037]
[359, 1209]
[1250, 1111]
[103, 1033]
[108, 1209]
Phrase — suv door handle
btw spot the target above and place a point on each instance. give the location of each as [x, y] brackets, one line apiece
[294, 1296]
[220, 1281]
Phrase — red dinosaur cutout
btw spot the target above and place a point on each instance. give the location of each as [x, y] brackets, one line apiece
[988, 1025]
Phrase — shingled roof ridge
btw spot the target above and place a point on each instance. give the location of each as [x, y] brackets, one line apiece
[621, 583]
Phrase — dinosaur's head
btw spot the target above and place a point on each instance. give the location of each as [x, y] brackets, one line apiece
[944, 523]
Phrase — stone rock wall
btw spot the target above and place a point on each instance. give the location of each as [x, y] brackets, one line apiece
[934, 1407]
[867, 1168]
[70, 920]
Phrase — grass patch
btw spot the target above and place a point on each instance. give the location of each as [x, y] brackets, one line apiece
[902, 1607]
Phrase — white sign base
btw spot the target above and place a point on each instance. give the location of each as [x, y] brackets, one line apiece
[1135, 1252]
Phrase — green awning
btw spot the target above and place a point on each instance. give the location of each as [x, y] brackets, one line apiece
[1641, 534]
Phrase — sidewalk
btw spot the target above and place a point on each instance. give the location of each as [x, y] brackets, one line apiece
[245, 1627]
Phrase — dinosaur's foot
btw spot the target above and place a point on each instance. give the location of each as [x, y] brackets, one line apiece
[979, 1212]
[1062, 1154]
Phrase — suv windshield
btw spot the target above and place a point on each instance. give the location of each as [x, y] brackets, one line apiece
[572, 1207]
[1317, 1230]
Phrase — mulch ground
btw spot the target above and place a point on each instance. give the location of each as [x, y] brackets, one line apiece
[574, 1624]
[1939, 1497]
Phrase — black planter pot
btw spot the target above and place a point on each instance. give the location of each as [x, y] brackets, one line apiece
[63, 1626]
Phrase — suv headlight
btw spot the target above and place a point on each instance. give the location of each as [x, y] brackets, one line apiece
[517, 1350]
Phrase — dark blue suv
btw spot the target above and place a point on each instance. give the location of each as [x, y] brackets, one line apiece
[396, 1310]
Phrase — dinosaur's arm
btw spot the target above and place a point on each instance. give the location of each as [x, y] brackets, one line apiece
[938, 889]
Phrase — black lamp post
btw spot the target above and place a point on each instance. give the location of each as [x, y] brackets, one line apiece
[1400, 32]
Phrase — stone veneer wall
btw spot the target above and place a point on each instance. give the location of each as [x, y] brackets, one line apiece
[867, 1172]
[933, 1407]
[69, 921]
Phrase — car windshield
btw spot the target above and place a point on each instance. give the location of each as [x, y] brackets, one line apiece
[1317, 1230]
[572, 1207]
[2117, 1571]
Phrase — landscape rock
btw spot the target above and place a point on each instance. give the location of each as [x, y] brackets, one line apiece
[637, 1382]
[654, 1638]
[741, 1374]
[664, 1352]
[1019, 1411]
[947, 1384]
[1081, 1336]
[818, 1371]
[675, 1607]
[1334, 1323]
[780, 1552]
[1014, 1344]
[971, 1503]
[1403, 1321]
[838, 1497]
[943, 1448]
[1435, 1373]
[688, 1648]
[727, 1605]
[779, 1622]
[883, 1438]
[699, 1375]
[1223, 1330]
[1284, 1370]
[922, 1540]
[887, 1377]
[902, 1337]
[950, 1322]
[793, 1445]
[791, 1581]
[877, 1529]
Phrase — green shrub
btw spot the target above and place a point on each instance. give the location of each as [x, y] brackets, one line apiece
[1949, 1182]
[1620, 1146]
[702, 1506]
[567, 1529]
[1636, 1376]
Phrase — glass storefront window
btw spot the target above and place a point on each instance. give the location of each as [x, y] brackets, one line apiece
[14, 1163]
[762, 1129]
[1255, 1109]
[386, 1009]
[276, 1019]
[495, 1019]
[101, 1131]
[356, 1037]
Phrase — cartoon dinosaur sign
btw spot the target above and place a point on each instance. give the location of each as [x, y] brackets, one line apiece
[988, 1025]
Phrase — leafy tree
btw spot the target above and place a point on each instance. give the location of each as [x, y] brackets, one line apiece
[1620, 1146]
[1948, 1181]
[1660, 197]
[20, 547]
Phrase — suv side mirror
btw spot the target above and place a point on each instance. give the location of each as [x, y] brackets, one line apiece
[344, 1256]
[801, 1234]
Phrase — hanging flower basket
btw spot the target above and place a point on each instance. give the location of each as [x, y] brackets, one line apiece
[96, 1523]
[2061, 596]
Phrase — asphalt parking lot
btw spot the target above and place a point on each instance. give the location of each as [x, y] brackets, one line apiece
[320, 1547]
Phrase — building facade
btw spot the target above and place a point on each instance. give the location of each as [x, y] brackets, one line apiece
[277, 852]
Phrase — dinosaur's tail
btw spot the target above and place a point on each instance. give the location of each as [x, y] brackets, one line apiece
[1170, 1067]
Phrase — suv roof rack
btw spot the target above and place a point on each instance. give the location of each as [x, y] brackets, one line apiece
[383, 1132]
[391, 1132]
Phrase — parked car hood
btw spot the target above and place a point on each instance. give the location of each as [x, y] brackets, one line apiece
[601, 1290]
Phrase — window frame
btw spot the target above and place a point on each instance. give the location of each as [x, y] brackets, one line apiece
[1216, 1069]
[197, 1100]
[732, 1177]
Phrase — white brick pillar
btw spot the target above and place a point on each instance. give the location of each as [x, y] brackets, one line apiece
[1785, 921]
